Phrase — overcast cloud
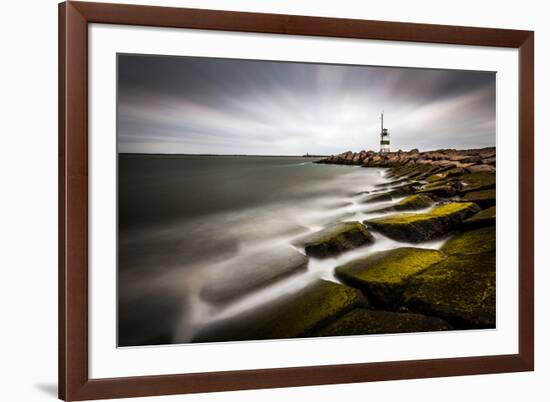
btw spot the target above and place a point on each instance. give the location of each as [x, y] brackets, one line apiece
[222, 106]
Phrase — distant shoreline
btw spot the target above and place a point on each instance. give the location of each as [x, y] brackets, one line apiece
[233, 155]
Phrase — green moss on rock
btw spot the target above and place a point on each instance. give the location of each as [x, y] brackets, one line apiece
[413, 227]
[297, 315]
[487, 217]
[478, 181]
[404, 189]
[472, 242]
[442, 188]
[411, 203]
[382, 276]
[483, 198]
[445, 174]
[361, 321]
[460, 289]
[336, 239]
[376, 198]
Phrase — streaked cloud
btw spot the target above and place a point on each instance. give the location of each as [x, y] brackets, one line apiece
[225, 106]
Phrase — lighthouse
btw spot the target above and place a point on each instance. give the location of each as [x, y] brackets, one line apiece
[384, 137]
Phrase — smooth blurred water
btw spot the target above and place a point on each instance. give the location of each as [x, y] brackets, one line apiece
[183, 218]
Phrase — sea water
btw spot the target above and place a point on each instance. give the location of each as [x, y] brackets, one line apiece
[181, 219]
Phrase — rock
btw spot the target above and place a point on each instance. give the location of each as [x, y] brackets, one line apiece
[336, 239]
[362, 321]
[487, 217]
[377, 198]
[382, 276]
[248, 272]
[483, 198]
[440, 189]
[444, 175]
[404, 189]
[293, 316]
[481, 168]
[472, 242]
[478, 181]
[411, 203]
[391, 183]
[460, 289]
[413, 227]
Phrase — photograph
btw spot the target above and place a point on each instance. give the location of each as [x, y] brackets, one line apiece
[268, 200]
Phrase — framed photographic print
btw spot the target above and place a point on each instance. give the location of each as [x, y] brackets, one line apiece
[259, 200]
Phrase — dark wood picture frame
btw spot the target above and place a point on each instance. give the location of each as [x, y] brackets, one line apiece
[74, 381]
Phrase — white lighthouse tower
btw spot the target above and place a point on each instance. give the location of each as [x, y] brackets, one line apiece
[384, 137]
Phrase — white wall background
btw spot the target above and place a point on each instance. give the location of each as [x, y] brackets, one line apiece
[28, 199]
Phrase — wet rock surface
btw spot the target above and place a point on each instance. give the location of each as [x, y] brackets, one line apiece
[297, 315]
[411, 227]
[459, 289]
[362, 321]
[336, 239]
[487, 217]
[472, 242]
[383, 275]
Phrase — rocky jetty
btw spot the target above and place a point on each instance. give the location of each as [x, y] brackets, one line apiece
[447, 195]
[471, 160]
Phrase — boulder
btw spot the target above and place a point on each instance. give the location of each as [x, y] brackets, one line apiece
[460, 289]
[487, 217]
[391, 183]
[482, 168]
[296, 315]
[439, 189]
[382, 276]
[478, 181]
[405, 189]
[248, 272]
[413, 227]
[472, 242]
[411, 203]
[336, 239]
[381, 197]
[362, 321]
[483, 198]
[454, 172]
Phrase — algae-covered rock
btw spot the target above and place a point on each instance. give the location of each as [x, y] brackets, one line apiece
[362, 321]
[382, 276]
[413, 227]
[472, 242]
[293, 316]
[445, 174]
[251, 271]
[460, 289]
[487, 217]
[478, 181]
[377, 198]
[336, 239]
[404, 189]
[483, 198]
[411, 203]
[442, 188]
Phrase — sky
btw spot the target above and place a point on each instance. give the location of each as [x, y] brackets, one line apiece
[197, 105]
